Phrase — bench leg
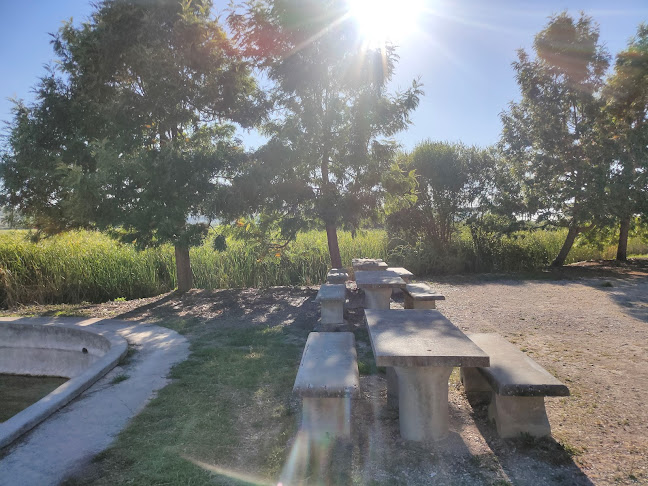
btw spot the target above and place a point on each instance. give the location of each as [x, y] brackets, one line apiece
[332, 312]
[377, 298]
[324, 418]
[410, 303]
[519, 415]
[423, 402]
[424, 304]
[473, 381]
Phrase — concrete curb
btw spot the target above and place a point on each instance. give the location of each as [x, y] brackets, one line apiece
[66, 442]
[39, 411]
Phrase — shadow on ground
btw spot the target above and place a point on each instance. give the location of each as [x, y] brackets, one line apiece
[375, 454]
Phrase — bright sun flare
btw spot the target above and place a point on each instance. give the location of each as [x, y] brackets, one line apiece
[385, 20]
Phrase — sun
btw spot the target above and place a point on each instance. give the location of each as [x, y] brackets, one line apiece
[381, 21]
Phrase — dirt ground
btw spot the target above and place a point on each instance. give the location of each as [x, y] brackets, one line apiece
[587, 324]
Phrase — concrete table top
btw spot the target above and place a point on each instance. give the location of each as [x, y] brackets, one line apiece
[368, 264]
[513, 373]
[422, 291]
[401, 271]
[412, 338]
[378, 279]
[365, 260]
[336, 292]
[328, 366]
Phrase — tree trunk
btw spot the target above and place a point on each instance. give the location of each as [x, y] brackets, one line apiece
[567, 245]
[622, 249]
[334, 248]
[183, 267]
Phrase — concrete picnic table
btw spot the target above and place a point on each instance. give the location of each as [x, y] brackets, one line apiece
[423, 347]
[378, 286]
[368, 264]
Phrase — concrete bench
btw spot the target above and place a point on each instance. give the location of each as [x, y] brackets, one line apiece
[337, 276]
[420, 296]
[403, 273]
[331, 298]
[326, 382]
[517, 385]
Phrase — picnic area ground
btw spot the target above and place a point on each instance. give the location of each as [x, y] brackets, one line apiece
[228, 416]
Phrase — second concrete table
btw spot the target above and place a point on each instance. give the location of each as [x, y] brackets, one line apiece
[378, 286]
[423, 347]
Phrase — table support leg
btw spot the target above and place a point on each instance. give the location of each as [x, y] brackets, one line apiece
[392, 388]
[377, 298]
[423, 402]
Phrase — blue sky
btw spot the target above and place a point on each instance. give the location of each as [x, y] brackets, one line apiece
[460, 49]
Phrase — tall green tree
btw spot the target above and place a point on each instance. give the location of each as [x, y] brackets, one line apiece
[329, 138]
[626, 95]
[147, 98]
[550, 136]
[452, 181]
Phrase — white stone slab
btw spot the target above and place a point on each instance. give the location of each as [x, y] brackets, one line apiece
[337, 276]
[331, 292]
[422, 291]
[402, 272]
[378, 279]
[513, 373]
[420, 338]
[368, 264]
[329, 366]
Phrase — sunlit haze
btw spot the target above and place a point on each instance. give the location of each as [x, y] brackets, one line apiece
[460, 49]
[385, 20]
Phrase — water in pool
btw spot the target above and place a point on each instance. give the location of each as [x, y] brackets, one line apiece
[18, 392]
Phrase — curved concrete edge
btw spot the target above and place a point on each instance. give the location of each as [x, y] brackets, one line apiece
[65, 443]
[27, 419]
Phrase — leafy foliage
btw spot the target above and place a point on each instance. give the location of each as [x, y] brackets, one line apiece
[550, 136]
[453, 184]
[137, 134]
[626, 95]
[329, 134]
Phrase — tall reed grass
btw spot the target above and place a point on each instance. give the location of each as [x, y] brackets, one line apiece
[88, 266]
[76, 267]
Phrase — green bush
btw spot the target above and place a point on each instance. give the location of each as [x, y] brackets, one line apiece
[490, 251]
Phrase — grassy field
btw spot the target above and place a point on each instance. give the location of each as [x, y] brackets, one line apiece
[86, 266]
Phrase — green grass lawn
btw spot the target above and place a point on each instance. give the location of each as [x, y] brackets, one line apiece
[235, 384]
[228, 405]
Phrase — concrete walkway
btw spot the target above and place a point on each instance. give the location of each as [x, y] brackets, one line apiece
[68, 440]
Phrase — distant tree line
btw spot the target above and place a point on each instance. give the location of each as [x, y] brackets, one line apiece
[133, 133]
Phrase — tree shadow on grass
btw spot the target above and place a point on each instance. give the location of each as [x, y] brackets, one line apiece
[294, 307]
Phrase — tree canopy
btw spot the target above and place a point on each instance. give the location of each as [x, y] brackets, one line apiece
[551, 136]
[329, 134]
[626, 95]
[452, 182]
[134, 132]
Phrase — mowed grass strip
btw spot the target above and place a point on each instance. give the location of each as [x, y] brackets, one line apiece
[228, 407]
